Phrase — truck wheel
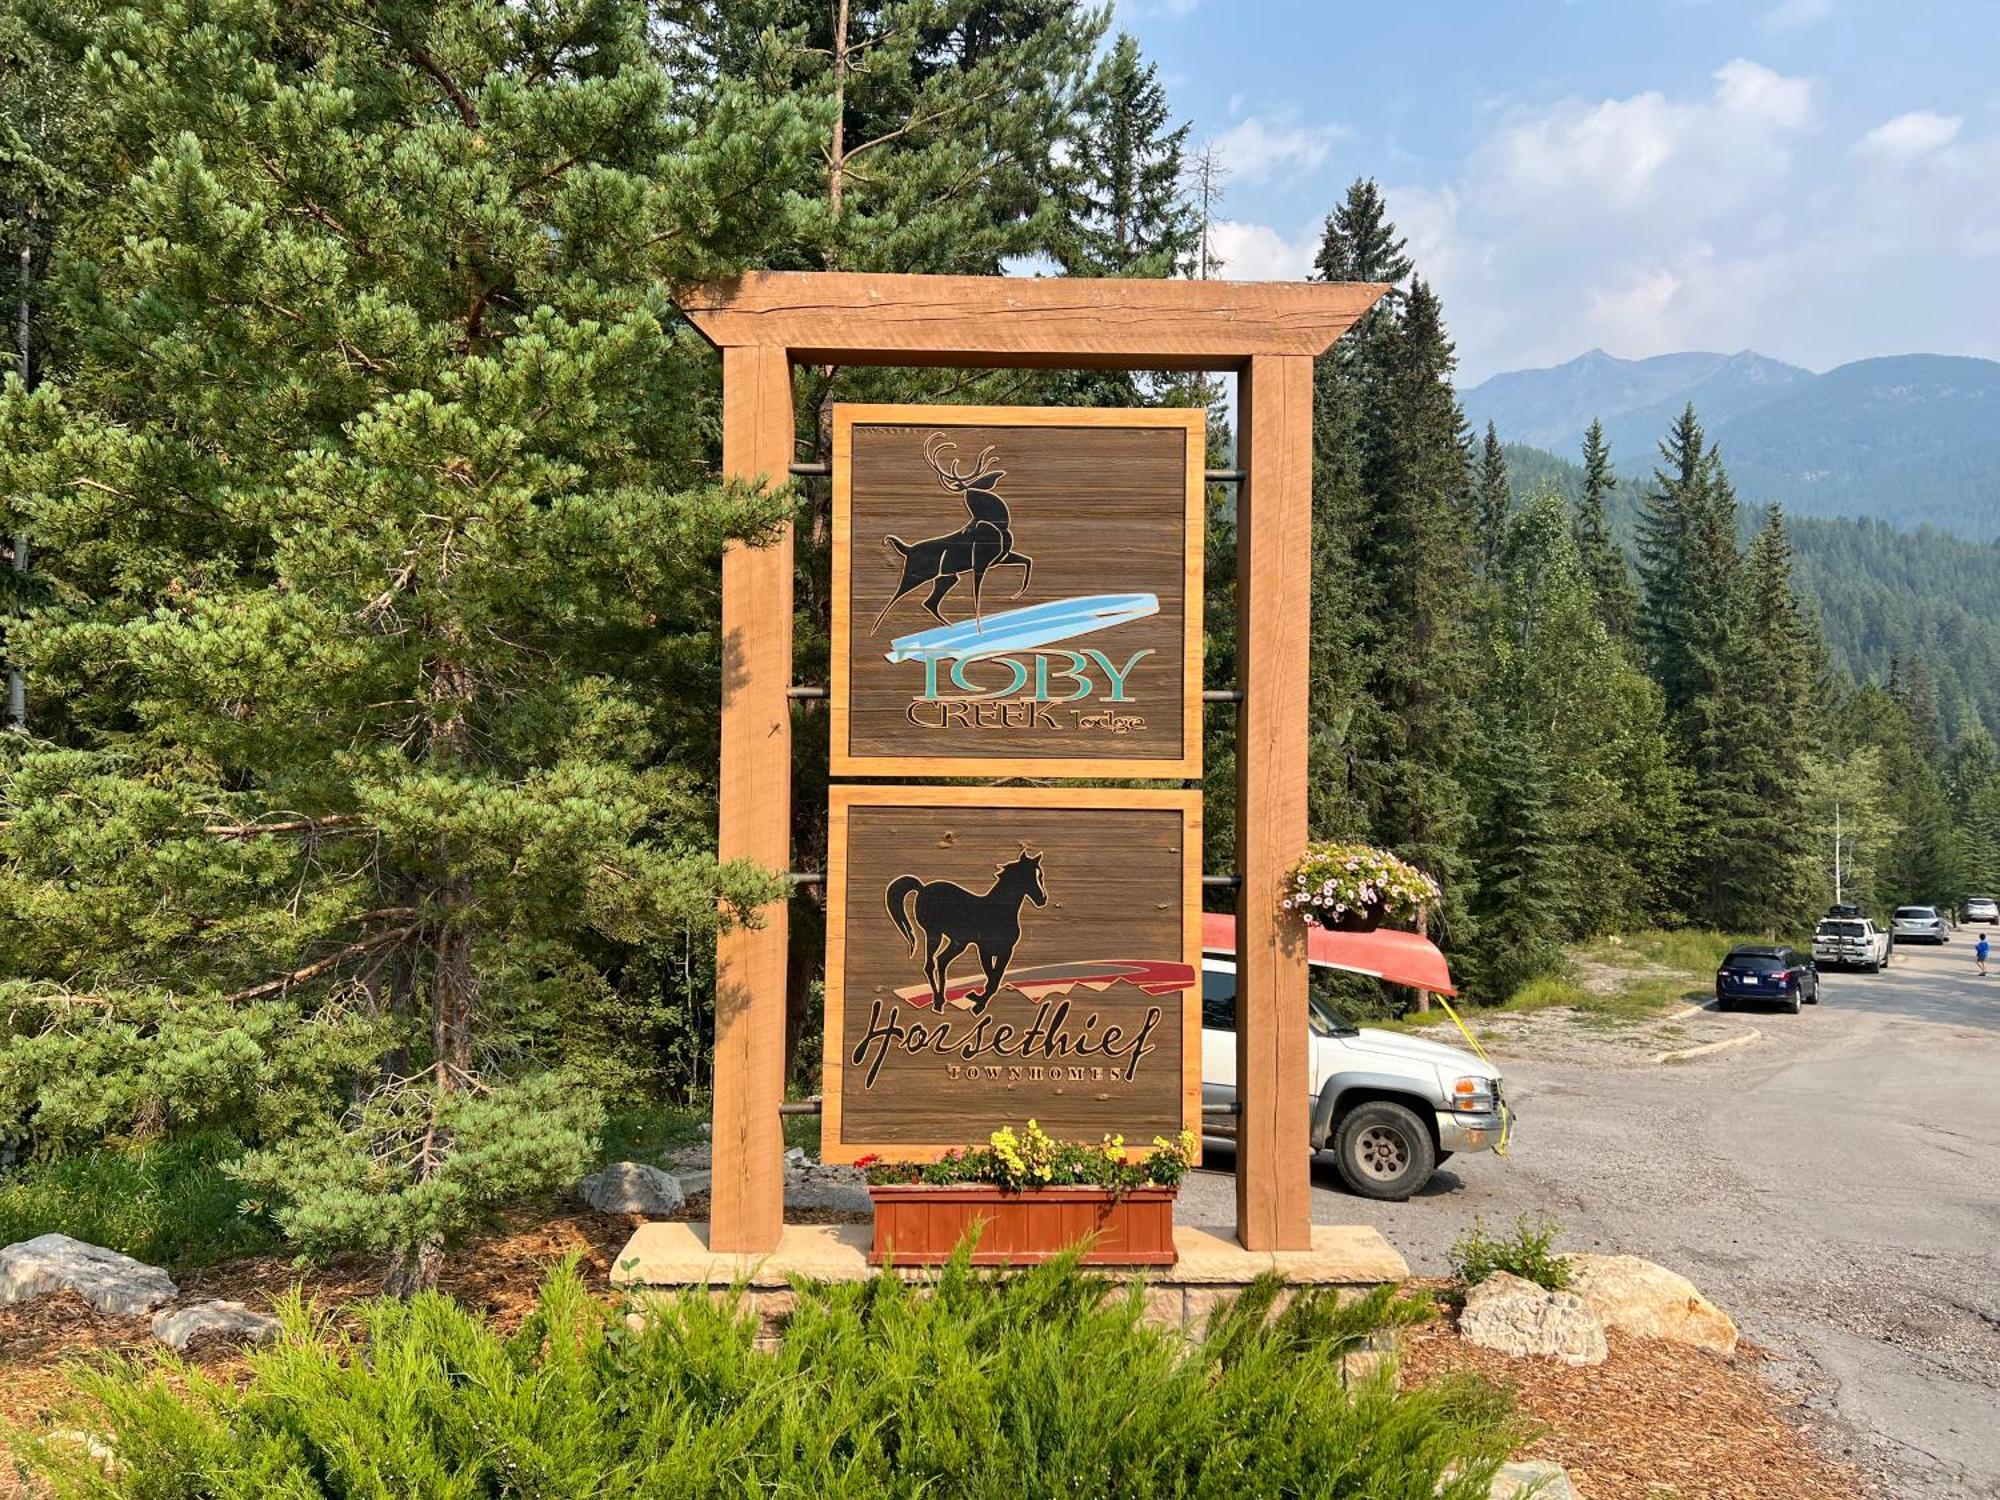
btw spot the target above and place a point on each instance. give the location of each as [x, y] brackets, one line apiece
[1383, 1151]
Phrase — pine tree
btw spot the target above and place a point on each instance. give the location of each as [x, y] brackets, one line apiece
[384, 541]
[1495, 500]
[1127, 213]
[1603, 558]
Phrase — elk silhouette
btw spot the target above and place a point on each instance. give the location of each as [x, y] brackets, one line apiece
[983, 543]
[953, 919]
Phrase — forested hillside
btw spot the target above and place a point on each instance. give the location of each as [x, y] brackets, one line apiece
[364, 809]
[1883, 595]
[1913, 440]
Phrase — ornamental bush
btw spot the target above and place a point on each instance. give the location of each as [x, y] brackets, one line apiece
[1046, 1382]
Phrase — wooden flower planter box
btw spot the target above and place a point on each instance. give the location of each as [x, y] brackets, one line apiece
[920, 1225]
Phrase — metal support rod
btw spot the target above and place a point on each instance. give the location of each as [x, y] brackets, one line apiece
[1231, 1108]
[1222, 882]
[1222, 695]
[811, 471]
[800, 1106]
[805, 691]
[807, 877]
[1223, 476]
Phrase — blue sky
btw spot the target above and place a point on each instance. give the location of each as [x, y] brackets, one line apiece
[1815, 179]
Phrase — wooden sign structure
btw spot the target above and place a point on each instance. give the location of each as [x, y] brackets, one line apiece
[1268, 334]
[996, 956]
[1017, 585]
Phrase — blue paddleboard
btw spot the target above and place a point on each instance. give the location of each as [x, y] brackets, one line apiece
[1023, 629]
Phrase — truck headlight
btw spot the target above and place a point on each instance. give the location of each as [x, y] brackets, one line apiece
[1473, 1096]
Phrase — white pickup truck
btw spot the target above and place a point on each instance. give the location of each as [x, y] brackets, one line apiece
[1852, 942]
[1391, 1108]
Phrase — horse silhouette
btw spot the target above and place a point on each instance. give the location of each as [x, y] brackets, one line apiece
[952, 919]
[983, 543]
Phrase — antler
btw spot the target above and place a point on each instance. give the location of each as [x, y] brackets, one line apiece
[953, 478]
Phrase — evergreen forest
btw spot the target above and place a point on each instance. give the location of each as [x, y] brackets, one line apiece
[360, 478]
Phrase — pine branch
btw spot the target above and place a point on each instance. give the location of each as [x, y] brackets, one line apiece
[314, 970]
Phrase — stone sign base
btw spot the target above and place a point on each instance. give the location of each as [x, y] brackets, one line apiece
[1212, 1268]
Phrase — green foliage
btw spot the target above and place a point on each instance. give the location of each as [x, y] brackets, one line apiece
[1529, 1253]
[173, 1204]
[1044, 1383]
[373, 500]
[1035, 1159]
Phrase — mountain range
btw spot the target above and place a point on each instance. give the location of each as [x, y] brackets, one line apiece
[1910, 439]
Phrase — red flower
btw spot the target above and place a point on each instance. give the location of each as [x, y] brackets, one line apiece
[869, 1160]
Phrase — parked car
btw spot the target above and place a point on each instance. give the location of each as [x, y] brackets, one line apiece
[1982, 909]
[1767, 975]
[1919, 924]
[1851, 943]
[1391, 1108]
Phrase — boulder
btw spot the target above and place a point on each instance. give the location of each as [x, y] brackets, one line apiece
[112, 1283]
[1519, 1318]
[1638, 1297]
[1533, 1479]
[630, 1187]
[219, 1320]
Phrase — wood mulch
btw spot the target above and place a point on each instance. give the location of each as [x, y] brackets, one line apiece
[1655, 1421]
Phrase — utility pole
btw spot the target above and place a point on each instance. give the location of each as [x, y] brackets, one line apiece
[1836, 852]
[17, 684]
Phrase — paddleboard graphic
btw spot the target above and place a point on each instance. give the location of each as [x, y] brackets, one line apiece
[1023, 629]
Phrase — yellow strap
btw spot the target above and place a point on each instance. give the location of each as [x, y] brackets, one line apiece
[1506, 1119]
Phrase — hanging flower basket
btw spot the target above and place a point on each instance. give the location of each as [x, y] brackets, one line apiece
[1357, 888]
[1030, 1197]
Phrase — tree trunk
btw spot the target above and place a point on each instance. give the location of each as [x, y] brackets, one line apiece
[836, 156]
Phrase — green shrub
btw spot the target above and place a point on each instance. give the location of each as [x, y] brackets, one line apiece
[171, 1203]
[1529, 1253]
[1041, 1383]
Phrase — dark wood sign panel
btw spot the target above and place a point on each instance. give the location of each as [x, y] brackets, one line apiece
[1017, 591]
[996, 956]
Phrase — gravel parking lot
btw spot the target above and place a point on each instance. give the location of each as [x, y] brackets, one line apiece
[1832, 1184]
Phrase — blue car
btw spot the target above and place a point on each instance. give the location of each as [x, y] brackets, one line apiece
[1766, 976]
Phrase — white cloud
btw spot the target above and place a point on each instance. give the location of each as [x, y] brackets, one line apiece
[1752, 91]
[1633, 156]
[1910, 136]
[1796, 15]
[1257, 146]
[1257, 252]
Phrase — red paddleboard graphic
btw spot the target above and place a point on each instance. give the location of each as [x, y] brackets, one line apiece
[1152, 976]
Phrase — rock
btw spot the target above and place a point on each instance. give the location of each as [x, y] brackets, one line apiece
[220, 1320]
[630, 1187]
[828, 1195]
[1519, 1318]
[796, 1157]
[1536, 1478]
[1638, 1297]
[112, 1283]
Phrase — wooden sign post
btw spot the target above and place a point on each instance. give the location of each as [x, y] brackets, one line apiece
[1269, 334]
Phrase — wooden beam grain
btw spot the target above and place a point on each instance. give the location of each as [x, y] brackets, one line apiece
[1274, 552]
[747, 1202]
[1063, 322]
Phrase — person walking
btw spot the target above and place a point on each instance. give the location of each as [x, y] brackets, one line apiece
[1979, 951]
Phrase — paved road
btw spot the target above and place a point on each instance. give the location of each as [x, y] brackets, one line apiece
[1835, 1185]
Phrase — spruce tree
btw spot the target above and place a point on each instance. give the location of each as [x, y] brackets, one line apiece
[379, 512]
[1495, 500]
[1127, 213]
[1603, 558]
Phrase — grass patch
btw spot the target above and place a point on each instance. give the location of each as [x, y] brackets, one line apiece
[1685, 950]
[1045, 1382]
[647, 1132]
[170, 1203]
